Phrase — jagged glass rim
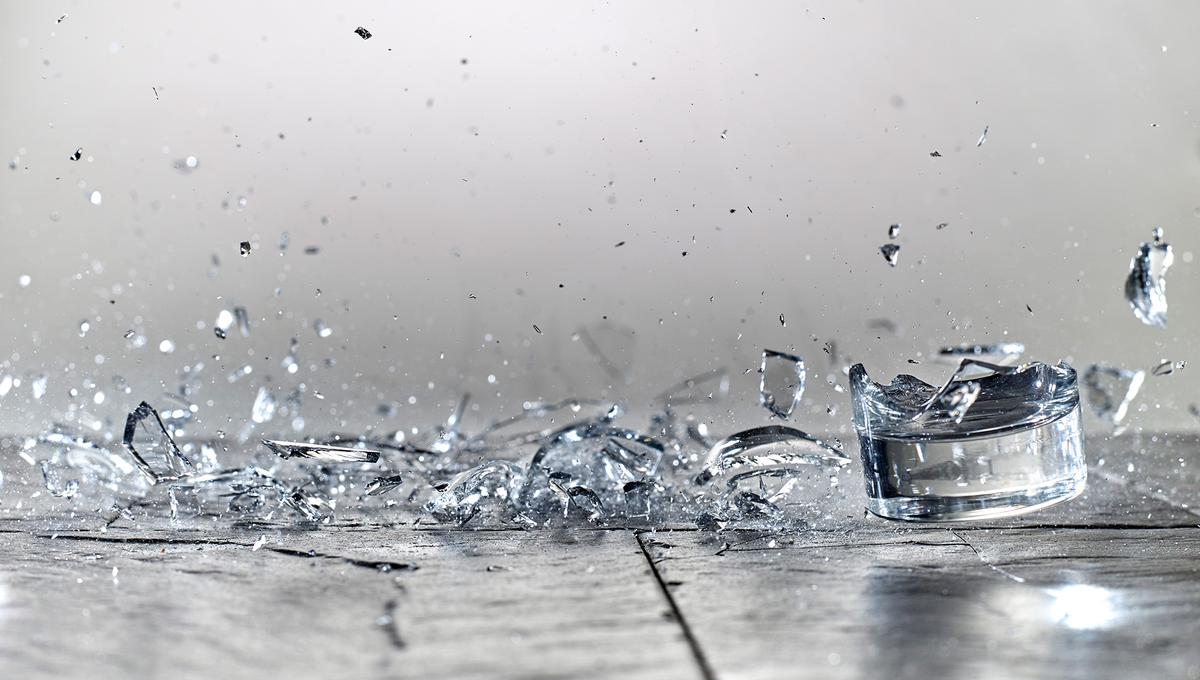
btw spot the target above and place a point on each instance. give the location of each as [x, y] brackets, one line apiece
[1060, 399]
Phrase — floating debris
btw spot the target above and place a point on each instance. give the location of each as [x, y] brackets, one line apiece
[321, 329]
[891, 253]
[1146, 285]
[362, 33]
[1168, 367]
[942, 225]
[77, 155]
[243, 321]
[382, 485]
[264, 406]
[781, 382]
[1002, 353]
[1110, 390]
[152, 448]
[96, 198]
[894, 231]
[982, 137]
[322, 452]
[223, 323]
[698, 389]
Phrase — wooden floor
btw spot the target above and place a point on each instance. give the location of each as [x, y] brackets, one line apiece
[1107, 586]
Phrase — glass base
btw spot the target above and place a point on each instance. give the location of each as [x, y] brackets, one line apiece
[976, 507]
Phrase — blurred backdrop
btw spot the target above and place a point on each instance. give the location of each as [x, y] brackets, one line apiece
[685, 183]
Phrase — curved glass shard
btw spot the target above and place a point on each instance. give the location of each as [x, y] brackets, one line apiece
[781, 382]
[321, 452]
[1002, 353]
[490, 490]
[774, 450]
[1146, 285]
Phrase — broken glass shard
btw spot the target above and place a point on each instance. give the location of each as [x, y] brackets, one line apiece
[538, 420]
[891, 253]
[781, 382]
[710, 386]
[264, 406]
[1110, 390]
[894, 231]
[1004, 441]
[1002, 353]
[152, 448]
[772, 451]
[223, 323]
[982, 137]
[321, 452]
[597, 456]
[1146, 285]
[242, 320]
[1169, 367]
[244, 248]
[362, 33]
[55, 484]
[489, 491]
[382, 485]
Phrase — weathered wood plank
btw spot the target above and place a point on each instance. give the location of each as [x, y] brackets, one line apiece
[204, 604]
[1030, 603]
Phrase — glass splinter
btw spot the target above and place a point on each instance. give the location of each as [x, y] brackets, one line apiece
[152, 448]
[1110, 390]
[891, 253]
[322, 452]
[781, 382]
[382, 485]
[1146, 284]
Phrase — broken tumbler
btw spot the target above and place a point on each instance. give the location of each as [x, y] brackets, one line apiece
[930, 456]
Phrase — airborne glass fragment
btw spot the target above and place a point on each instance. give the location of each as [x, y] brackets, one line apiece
[1002, 353]
[891, 253]
[489, 491]
[774, 450]
[1110, 390]
[152, 448]
[322, 452]
[781, 382]
[382, 485]
[1011, 443]
[1146, 284]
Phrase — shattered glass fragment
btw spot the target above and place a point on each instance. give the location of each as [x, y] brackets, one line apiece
[382, 485]
[597, 456]
[891, 253]
[1110, 390]
[489, 491]
[1169, 367]
[643, 498]
[310, 507]
[244, 248]
[982, 137]
[586, 501]
[223, 323]
[321, 329]
[322, 452]
[612, 345]
[781, 382]
[242, 320]
[1001, 353]
[55, 484]
[1005, 440]
[774, 450]
[710, 386]
[264, 406]
[894, 231]
[362, 33]
[38, 385]
[152, 448]
[1146, 285]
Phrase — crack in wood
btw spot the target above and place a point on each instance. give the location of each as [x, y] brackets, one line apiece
[701, 659]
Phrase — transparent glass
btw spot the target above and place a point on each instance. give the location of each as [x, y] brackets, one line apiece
[1016, 448]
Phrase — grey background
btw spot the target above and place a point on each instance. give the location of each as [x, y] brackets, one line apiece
[457, 204]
